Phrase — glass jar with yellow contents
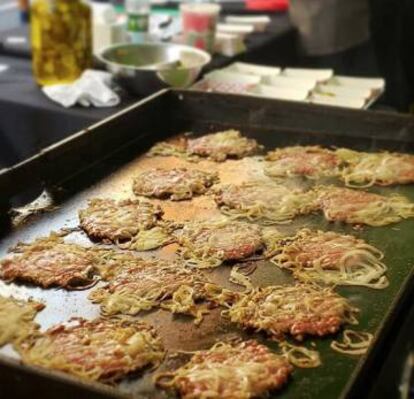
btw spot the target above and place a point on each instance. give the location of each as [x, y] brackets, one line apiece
[61, 40]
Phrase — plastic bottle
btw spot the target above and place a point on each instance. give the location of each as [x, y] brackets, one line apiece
[138, 13]
[107, 28]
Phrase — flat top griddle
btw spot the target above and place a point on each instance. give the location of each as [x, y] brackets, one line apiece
[110, 174]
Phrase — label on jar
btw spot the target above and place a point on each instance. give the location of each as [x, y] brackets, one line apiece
[138, 26]
[138, 22]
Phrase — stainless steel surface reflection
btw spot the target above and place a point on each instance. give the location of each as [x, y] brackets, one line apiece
[148, 67]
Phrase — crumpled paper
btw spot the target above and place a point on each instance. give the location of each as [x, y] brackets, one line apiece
[92, 88]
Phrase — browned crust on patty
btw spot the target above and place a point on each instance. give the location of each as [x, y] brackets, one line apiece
[50, 262]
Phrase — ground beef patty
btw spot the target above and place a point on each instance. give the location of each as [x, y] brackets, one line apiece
[266, 202]
[297, 310]
[50, 262]
[361, 207]
[176, 184]
[135, 289]
[222, 145]
[383, 168]
[311, 161]
[245, 370]
[331, 257]
[102, 349]
[221, 240]
[118, 221]
[325, 248]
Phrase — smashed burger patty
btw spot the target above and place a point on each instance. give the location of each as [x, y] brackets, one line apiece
[118, 221]
[361, 207]
[50, 262]
[245, 370]
[176, 184]
[310, 161]
[297, 310]
[101, 350]
[226, 240]
[268, 202]
[222, 145]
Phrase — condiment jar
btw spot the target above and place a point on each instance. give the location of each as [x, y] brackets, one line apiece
[61, 40]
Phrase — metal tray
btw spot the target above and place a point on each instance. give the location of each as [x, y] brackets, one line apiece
[102, 159]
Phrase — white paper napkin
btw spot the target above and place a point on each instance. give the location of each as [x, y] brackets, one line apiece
[92, 88]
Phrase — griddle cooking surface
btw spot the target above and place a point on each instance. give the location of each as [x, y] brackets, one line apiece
[178, 332]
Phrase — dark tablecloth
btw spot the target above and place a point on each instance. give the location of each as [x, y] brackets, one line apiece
[29, 121]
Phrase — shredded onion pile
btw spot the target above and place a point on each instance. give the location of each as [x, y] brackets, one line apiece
[353, 343]
[183, 302]
[16, 319]
[221, 296]
[384, 168]
[300, 356]
[236, 277]
[135, 289]
[110, 262]
[332, 258]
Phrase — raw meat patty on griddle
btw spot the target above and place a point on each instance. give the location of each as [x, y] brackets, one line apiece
[100, 350]
[383, 169]
[361, 207]
[227, 240]
[222, 145]
[118, 221]
[297, 310]
[263, 201]
[50, 262]
[245, 370]
[332, 258]
[176, 184]
[324, 248]
[310, 161]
